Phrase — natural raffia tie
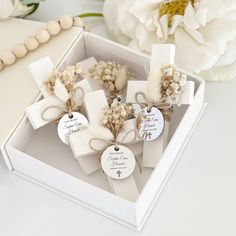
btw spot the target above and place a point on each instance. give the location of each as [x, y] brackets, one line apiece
[69, 107]
[165, 108]
[114, 142]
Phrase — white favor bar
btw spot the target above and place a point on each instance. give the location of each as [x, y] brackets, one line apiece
[162, 54]
[79, 141]
[135, 86]
[42, 69]
[89, 164]
[187, 96]
[34, 111]
[94, 104]
[125, 188]
[153, 150]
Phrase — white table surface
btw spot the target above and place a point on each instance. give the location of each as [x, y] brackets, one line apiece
[199, 199]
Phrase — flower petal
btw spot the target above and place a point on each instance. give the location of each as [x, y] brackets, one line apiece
[110, 18]
[222, 73]
[6, 8]
[189, 18]
[145, 38]
[191, 55]
[144, 9]
[126, 21]
[229, 55]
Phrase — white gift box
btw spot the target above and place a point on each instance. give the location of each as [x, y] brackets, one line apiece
[39, 156]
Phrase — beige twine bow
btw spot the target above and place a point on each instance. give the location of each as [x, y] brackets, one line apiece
[114, 142]
[69, 107]
[165, 108]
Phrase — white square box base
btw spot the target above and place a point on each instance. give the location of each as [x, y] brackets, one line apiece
[39, 156]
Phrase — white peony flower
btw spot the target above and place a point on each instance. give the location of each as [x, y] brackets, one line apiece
[17, 8]
[204, 31]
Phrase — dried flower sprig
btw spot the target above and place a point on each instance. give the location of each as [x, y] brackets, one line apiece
[68, 76]
[115, 115]
[112, 76]
[172, 84]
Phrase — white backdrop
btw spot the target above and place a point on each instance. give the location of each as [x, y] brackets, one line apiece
[198, 200]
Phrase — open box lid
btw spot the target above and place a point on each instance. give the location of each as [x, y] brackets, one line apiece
[17, 88]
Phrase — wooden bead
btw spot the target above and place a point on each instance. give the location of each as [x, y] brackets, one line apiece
[78, 22]
[20, 50]
[66, 22]
[53, 27]
[8, 58]
[31, 43]
[42, 36]
[1, 65]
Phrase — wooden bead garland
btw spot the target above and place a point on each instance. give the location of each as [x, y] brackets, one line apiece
[1, 65]
[8, 58]
[66, 22]
[31, 43]
[53, 27]
[20, 50]
[42, 36]
[78, 22]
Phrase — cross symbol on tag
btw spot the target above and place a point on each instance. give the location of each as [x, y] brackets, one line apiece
[118, 173]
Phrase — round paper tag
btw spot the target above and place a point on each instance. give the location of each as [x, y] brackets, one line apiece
[68, 125]
[118, 163]
[150, 124]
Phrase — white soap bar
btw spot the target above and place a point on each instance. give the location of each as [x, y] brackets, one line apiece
[162, 54]
[137, 148]
[94, 104]
[133, 87]
[125, 188]
[34, 111]
[79, 141]
[153, 150]
[188, 94]
[89, 164]
[126, 131]
[141, 86]
[41, 70]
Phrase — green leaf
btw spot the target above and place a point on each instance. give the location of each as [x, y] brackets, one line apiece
[34, 9]
[30, 2]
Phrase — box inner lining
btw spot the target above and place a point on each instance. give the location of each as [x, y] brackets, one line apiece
[44, 145]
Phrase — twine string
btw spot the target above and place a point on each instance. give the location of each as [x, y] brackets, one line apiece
[165, 108]
[69, 107]
[116, 143]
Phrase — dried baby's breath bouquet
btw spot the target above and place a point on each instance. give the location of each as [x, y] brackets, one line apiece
[115, 115]
[112, 76]
[68, 76]
[172, 84]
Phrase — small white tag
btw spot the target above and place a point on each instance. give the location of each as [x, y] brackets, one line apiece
[150, 124]
[68, 125]
[118, 163]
